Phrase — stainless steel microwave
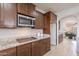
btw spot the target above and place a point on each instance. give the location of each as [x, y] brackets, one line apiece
[26, 21]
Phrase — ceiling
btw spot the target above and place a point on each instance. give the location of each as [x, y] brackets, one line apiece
[56, 7]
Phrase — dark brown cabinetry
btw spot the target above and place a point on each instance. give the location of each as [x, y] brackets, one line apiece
[8, 15]
[8, 52]
[31, 9]
[35, 48]
[49, 18]
[26, 8]
[40, 47]
[60, 38]
[0, 15]
[24, 50]
[39, 20]
[22, 8]
[47, 44]
[44, 46]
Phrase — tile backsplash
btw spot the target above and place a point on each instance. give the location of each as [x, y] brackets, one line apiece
[19, 32]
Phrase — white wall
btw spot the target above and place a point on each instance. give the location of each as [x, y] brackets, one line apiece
[19, 32]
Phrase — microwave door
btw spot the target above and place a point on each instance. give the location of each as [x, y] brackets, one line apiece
[26, 21]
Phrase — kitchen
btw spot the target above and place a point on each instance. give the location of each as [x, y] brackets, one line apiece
[25, 30]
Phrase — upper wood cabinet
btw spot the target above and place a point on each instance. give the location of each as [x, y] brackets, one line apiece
[53, 18]
[31, 9]
[26, 8]
[8, 15]
[0, 14]
[49, 18]
[39, 20]
[22, 8]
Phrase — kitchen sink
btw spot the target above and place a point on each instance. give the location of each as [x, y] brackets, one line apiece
[25, 39]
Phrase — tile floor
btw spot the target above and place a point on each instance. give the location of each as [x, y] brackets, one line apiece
[66, 48]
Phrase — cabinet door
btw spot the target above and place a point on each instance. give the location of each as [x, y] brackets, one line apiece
[60, 38]
[49, 18]
[8, 15]
[24, 50]
[35, 48]
[8, 52]
[26, 8]
[22, 8]
[53, 18]
[39, 24]
[47, 23]
[31, 9]
[45, 46]
[1, 15]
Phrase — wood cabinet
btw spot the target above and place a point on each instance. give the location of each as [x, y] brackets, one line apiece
[40, 47]
[60, 38]
[39, 22]
[44, 46]
[0, 14]
[8, 15]
[31, 9]
[24, 50]
[35, 48]
[22, 8]
[53, 18]
[49, 18]
[8, 52]
[26, 8]
[47, 44]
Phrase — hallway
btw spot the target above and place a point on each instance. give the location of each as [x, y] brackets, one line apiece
[66, 48]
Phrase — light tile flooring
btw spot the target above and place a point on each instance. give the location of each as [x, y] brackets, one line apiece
[66, 48]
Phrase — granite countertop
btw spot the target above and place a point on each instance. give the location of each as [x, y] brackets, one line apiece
[12, 42]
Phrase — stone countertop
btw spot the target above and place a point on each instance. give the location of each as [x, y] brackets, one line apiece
[11, 42]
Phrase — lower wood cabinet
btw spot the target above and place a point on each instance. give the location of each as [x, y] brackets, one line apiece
[8, 52]
[60, 38]
[47, 44]
[44, 46]
[36, 48]
[24, 50]
[40, 47]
